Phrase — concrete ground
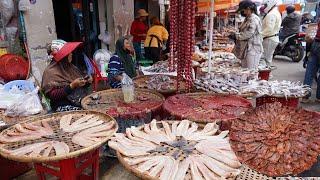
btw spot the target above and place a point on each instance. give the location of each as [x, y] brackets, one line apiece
[111, 169]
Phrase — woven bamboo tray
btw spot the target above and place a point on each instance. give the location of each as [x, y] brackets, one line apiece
[113, 99]
[204, 113]
[53, 120]
[141, 82]
[246, 173]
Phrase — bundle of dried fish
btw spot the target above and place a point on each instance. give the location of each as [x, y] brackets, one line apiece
[277, 140]
[177, 150]
[276, 88]
[159, 67]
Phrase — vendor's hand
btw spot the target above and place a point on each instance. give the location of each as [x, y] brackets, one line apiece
[232, 36]
[80, 82]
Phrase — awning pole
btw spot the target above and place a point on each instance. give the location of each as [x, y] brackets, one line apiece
[211, 34]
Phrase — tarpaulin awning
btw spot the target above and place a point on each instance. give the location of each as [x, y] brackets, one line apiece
[204, 5]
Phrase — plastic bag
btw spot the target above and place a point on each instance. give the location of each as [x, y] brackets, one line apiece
[28, 104]
[24, 5]
[127, 88]
[7, 99]
[102, 58]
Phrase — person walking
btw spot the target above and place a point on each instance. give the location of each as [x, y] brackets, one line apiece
[157, 37]
[291, 23]
[248, 46]
[313, 66]
[271, 24]
[139, 31]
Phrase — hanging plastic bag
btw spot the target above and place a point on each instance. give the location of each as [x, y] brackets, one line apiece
[127, 88]
[7, 10]
[28, 104]
[102, 58]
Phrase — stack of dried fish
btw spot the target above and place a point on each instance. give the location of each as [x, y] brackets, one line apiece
[226, 80]
[161, 82]
[159, 67]
[276, 88]
[277, 140]
[177, 150]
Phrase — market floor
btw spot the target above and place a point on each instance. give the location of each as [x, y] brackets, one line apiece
[111, 169]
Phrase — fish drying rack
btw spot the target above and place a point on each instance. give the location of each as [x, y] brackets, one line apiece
[54, 120]
[246, 172]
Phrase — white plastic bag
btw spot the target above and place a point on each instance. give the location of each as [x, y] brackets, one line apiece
[28, 104]
[7, 99]
[7, 10]
[127, 88]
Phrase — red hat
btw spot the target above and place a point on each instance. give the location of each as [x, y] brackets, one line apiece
[63, 50]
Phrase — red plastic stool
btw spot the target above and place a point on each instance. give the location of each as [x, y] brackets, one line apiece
[71, 169]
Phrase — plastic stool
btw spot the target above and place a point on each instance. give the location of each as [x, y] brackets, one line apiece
[22, 85]
[71, 169]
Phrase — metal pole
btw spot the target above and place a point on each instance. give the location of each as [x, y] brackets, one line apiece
[211, 34]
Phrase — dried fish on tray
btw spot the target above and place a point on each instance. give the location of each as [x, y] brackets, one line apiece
[161, 67]
[276, 88]
[277, 140]
[163, 84]
[206, 107]
[56, 136]
[226, 82]
[177, 150]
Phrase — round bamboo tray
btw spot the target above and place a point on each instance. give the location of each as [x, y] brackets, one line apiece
[142, 82]
[111, 102]
[245, 174]
[53, 120]
[192, 107]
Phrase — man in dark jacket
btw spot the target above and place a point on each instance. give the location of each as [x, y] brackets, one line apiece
[291, 23]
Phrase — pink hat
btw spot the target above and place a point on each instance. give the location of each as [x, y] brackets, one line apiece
[61, 49]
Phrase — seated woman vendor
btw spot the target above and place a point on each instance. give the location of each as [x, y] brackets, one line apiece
[63, 82]
[121, 62]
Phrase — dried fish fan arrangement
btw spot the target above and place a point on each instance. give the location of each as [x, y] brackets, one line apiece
[177, 150]
[276, 88]
[277, 140]
[56, 136]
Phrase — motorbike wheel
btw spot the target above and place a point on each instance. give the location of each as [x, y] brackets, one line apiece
[299, 54]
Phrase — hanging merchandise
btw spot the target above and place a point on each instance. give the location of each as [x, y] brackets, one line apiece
[102, 57]
[182, 29]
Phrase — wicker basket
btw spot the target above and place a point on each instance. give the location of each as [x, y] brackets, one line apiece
[290, 101]
[54, 120]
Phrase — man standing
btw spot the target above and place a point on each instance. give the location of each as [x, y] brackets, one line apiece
[139, 31]
[271, 25]
[291, 23]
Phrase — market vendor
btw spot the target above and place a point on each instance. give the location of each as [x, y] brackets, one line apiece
[121, 62]
[248, 46]
[63, 82]
[157, 37]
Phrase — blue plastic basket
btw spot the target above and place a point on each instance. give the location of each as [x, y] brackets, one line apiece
[22, 85]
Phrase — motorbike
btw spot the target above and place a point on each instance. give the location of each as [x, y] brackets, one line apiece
[292, 48]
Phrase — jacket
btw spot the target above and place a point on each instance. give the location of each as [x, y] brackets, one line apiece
[249, 37]
[137, 28]
[159, 32]
[271, 25]
[291, 24]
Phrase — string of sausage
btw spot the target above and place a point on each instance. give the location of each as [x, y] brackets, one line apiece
[182, 29]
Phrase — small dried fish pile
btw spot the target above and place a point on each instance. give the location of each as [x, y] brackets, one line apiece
[161, 82]
[226, 80]
[276, 88]
[277, 140]
[177, 150]
[159, 67]
[55, 136]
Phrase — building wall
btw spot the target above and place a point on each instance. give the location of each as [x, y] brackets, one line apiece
[40, 29]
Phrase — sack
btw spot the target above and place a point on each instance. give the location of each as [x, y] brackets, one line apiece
[76, 96]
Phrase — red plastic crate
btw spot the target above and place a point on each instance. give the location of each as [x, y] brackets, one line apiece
[293, 102]
[264, 74]
[71, 169]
